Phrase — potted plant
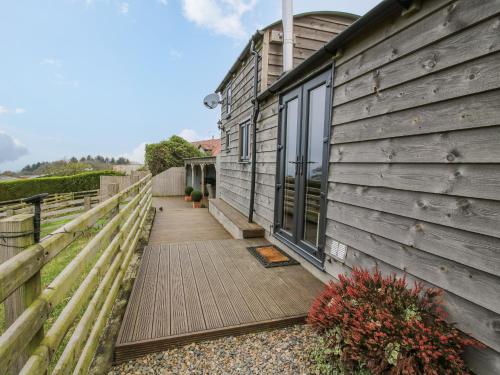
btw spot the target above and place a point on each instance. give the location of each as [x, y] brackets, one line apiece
[187, 193]
[196, 197]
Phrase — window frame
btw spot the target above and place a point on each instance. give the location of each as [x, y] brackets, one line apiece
[245, 124]
[227, 143]
[229, 98]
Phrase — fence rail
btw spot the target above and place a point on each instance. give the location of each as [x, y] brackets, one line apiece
[54, 205]
[117, 240]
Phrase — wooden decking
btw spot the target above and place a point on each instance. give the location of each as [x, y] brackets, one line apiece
[203, 289]
[178, 222]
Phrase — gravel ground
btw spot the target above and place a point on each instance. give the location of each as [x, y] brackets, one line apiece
[282, 351]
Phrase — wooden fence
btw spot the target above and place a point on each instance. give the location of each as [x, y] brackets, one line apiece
[24, 346]
[122, 183]
[171, 182]
[54, 205]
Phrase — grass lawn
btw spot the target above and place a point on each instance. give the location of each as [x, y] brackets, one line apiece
[56, 265]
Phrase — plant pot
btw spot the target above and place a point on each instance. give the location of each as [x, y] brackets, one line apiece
[196, 204]
[187, 198]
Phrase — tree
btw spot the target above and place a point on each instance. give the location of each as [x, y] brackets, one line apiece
[170, 153]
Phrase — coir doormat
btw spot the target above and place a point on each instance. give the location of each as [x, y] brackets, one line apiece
[271, 256]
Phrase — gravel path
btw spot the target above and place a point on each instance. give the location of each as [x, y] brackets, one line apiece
[282, 351]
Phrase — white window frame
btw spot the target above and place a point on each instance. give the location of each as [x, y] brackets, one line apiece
[227, 140]
[229, 98]
[244, 141]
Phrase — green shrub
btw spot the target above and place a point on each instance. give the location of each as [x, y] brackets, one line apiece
[374, 324]
[196, 196]
[64, 184]
[170, 153]
[188, 190]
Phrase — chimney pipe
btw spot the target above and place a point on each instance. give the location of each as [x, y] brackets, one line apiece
[287, 35]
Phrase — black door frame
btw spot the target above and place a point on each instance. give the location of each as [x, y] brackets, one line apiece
[314, 255]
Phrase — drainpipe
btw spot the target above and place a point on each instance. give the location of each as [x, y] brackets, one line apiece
[287, 15]
[256, 109]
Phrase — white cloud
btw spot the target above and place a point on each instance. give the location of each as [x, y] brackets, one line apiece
[137, 154]
[220, 16]
[10, 148]
[124, 8]
[54, 62]
[61, 80]
[7, 111]
[175, 54]
[189, 135]
[163, 2]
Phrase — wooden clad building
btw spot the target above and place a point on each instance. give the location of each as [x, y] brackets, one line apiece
[381, 148]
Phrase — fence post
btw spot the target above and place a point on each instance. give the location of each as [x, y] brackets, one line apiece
[133, 179]
[16, 234]
[87, 202]
[112, 189]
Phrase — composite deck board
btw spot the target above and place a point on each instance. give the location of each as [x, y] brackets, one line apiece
[236, 299]
[161, 325]
[226, 311]
[250, 296]
[197, 289]
[254, 274]
[177, 221]
[284, 296]
[144, 322]
[208, 303]
[127, 328]
[195, 318]
[178, 313]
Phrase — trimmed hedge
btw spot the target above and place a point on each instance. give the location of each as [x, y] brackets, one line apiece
[52, 185]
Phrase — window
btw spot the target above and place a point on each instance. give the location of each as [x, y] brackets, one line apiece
[227, 140]
[229, 98]
[245, 141]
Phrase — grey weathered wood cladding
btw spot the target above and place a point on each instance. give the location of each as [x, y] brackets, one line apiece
[414, 168]
[311, 31]
[415, 158]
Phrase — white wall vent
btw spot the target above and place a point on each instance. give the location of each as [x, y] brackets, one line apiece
[338, 250]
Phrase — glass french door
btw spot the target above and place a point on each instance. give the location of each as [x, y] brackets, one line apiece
[303, 167]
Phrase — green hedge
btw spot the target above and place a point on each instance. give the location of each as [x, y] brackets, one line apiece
[65, 184]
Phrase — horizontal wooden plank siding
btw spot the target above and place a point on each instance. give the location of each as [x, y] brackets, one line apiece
[311, 32]
[414, 176]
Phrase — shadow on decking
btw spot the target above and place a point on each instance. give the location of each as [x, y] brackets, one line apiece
[194, 290]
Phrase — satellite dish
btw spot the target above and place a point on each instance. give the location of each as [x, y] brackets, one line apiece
[211, 101]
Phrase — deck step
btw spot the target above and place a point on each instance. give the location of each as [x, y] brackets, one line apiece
[234, 221]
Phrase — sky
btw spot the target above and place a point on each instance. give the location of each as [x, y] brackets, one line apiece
[80, 77]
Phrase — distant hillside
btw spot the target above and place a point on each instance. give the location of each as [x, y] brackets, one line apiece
[72, 166]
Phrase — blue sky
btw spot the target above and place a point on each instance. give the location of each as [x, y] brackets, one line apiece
[104, 77]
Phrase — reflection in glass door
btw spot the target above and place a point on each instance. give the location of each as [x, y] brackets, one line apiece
[314, 164]
[302, 170]
[290, 166]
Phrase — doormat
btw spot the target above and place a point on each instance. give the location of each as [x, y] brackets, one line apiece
[271, 256]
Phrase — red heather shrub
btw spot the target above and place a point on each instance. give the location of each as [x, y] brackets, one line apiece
[370, 324]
